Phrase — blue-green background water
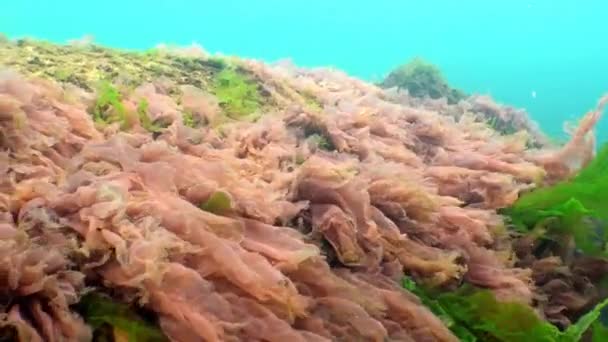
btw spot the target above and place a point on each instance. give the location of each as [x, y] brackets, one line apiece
[507, 48]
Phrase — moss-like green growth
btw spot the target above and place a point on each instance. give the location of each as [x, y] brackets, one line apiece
[144, 119]
[117, 320]
[238, 96]
[312, 102]
[86, 65]
[219, 203]
[500, 126]
[475, 315]
[576, 208]
[108, 107]
[62, 75]
[422, 79]
[321, 142]
[299, 159]
[318, 137]
[216, 62]
[188, 119]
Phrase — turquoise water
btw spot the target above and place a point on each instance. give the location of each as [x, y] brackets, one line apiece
[508, 49]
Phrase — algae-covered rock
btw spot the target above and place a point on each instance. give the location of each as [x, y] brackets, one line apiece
[237, 95]
[422, 79]
[157, 183]
[86, 65]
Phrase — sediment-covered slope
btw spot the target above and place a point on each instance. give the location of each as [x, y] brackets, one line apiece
[239, 201]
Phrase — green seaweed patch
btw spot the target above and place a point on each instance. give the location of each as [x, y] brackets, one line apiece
[318, 137]
[89, 64]
[311, 101]
[144, 118]
[299, 159]
[422, 79]
[321, 142]
[188, 119]
[475, 315]
[237, 96]
[108, 317]
[600, 332]
[219, 202]
[576, 208]
[216, 62]
[62, 74]
[502, 127]
[108, 107]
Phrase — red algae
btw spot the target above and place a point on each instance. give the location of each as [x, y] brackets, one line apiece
[314, 241]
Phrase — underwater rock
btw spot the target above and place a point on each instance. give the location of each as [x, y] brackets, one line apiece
[422, 79]
[205, 206]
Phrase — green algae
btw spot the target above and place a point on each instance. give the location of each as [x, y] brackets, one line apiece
[219, 202]
[422, 79]
[144, 118]
[108, 107]
[85, 66]
[321, 142]
[577, 208]
[311, 101]
[188, 119]
[600, 332]
[318, 137]
[109, 319]
[238, 96]
[475, 315]
[217, 62]
[239, 92]
[500, 126]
